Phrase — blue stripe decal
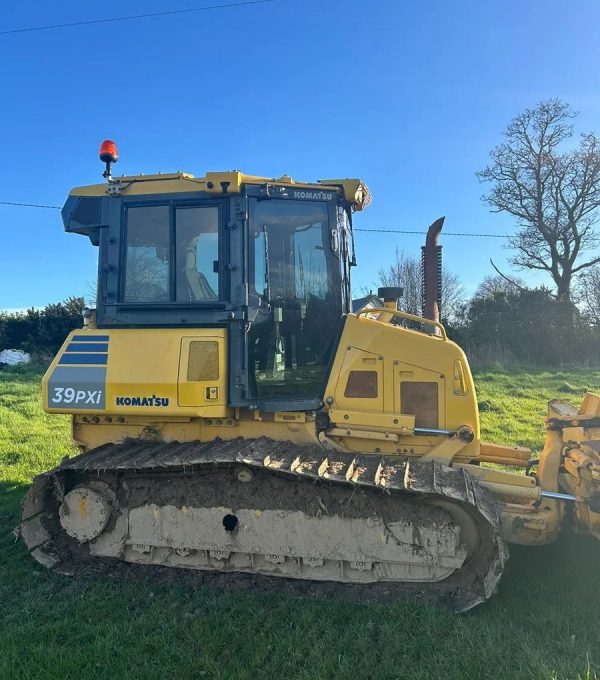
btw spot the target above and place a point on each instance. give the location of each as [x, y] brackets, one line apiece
[87, 347]
[90, 338]
[95, 359]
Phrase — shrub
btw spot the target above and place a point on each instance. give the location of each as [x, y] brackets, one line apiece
[527, 326]
[41, 332]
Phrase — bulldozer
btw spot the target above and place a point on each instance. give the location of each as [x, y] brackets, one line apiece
[235, 416]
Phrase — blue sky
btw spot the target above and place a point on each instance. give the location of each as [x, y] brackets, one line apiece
[409, 96]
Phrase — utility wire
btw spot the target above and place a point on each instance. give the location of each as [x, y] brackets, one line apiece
[444, 233]
[379, 231]
[130, 17]
[30, 205]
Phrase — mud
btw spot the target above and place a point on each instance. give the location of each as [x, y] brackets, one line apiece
[268, 491]
[371, 593]
[284, 477]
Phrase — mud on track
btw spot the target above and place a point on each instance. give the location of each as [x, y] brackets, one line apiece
[286, 477]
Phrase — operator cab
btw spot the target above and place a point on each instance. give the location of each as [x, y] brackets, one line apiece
[266, 259]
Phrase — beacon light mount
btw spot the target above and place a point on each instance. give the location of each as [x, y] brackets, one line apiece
[108, 155]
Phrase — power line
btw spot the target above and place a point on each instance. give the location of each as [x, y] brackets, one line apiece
[30, 205]
[444, 233]
[130, 17]
[377, 231]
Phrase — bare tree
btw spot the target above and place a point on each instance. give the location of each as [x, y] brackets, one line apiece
[453, 296]
[491, 285]
[146, 275]
[553, 194]
[405, 271]
[589, 288]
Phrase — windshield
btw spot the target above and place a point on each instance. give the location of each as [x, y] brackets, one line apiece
[296, 284]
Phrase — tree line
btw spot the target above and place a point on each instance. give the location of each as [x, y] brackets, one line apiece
[508, 324]
[41, 332]
[505, 322]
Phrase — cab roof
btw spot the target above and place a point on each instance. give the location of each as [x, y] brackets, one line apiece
[355, 191]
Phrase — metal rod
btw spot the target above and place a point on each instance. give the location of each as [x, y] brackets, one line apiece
[558, 496]
[430, 430]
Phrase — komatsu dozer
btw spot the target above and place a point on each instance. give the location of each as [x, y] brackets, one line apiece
[234, 414]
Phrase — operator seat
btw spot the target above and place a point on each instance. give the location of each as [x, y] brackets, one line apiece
[198, 286]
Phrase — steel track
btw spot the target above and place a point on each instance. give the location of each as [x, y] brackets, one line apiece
[381, 478]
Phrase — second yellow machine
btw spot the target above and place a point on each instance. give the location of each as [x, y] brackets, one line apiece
[234, 414]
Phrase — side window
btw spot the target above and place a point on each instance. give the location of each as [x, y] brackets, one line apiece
[197, 254]
[147, 255]
[260, 263]
[310, 264]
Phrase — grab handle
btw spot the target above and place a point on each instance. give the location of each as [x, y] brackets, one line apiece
[409, 317]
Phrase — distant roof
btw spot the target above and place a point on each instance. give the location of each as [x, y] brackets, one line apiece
[367, 302]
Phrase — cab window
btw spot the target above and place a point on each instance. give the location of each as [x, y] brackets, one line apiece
[147, 255]
[171, 255]
[197, 254]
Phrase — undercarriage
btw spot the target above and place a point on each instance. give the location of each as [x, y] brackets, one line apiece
[272, 509]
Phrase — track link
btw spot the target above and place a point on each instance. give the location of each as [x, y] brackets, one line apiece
[382, 481]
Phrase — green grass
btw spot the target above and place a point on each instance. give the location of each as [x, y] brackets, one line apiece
[545, 622]
[513, 404]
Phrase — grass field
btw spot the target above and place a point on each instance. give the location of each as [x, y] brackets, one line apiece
[545, 622]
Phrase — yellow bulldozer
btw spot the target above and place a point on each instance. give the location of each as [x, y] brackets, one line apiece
[235, 415]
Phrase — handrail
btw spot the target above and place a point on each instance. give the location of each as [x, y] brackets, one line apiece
[406, 315]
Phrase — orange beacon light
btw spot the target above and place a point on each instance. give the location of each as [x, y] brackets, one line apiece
[109, 155]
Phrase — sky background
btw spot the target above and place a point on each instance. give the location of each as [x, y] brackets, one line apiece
[409, 96]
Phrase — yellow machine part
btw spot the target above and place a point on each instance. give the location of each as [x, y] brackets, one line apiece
[387, 380]
[382, 385]
[162, 373]
[355, 191]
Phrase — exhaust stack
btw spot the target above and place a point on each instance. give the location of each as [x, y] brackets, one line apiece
[431, 272]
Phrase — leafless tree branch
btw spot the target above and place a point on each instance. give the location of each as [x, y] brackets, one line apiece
[512, 282]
